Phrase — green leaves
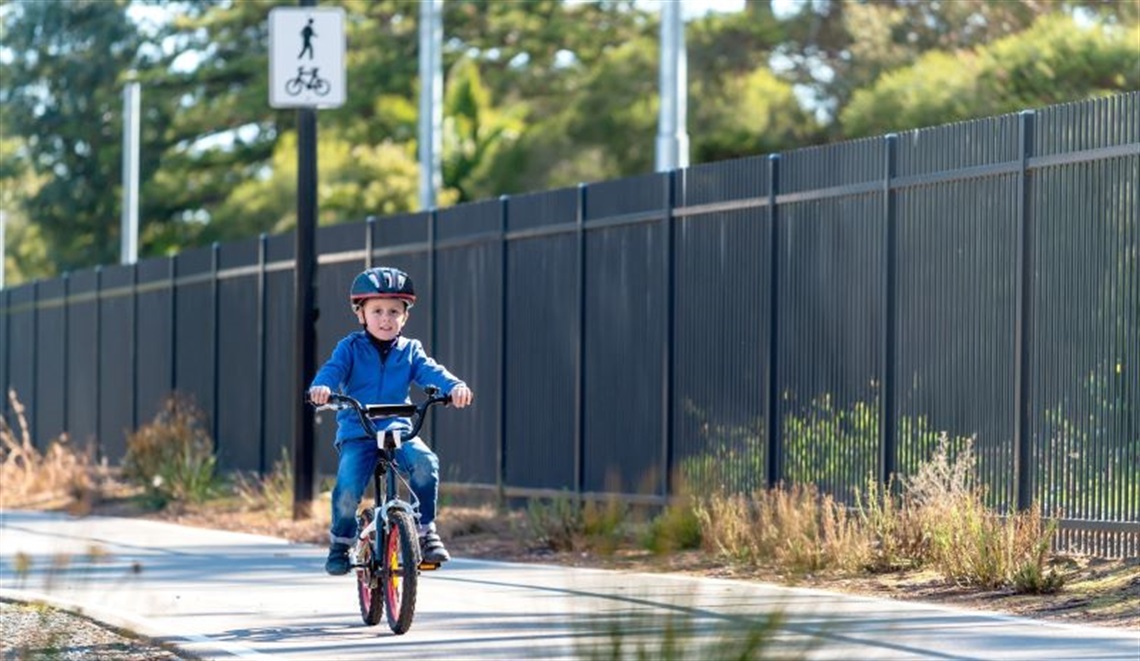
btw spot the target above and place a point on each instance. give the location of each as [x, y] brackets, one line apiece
[539, 94]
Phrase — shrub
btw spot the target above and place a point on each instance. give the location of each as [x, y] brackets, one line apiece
[565, 523]
[970, 544]
[676, 528]
[172, 458]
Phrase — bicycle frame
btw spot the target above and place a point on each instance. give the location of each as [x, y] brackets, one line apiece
[384, 475]
[386, 555]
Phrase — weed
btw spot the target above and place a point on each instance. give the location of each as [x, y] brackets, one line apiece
[272, 493]
[172, 458]
[60, 472]
[797, 528]
[564, 523]
[967, 542]
[676, 528]
[897, 541]
[679, 631]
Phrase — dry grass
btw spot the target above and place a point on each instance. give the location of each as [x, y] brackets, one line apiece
[939, 520]
[796, 528]
[34, 478]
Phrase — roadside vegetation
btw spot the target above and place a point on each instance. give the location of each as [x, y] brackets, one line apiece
[932, 528]
[935, 520]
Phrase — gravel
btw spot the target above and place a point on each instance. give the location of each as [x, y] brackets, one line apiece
[36, 631]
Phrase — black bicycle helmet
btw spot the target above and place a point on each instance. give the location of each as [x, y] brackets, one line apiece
[383, 282]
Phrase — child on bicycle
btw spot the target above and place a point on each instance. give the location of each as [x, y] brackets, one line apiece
[376, 365]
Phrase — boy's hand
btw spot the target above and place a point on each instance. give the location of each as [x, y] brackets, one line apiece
[461, 396]
[319, 395]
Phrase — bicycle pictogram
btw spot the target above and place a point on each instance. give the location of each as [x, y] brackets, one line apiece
[307, 79]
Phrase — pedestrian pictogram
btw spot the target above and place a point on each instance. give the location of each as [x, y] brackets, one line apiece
[307, 37]
[306, 57]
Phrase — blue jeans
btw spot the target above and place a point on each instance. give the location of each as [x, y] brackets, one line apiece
[416, 462]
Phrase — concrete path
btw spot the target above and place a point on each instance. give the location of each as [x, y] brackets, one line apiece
[222, 595]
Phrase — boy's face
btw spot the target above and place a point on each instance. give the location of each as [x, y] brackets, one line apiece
[384, 318]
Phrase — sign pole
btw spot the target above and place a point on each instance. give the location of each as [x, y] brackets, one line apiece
[304, 313]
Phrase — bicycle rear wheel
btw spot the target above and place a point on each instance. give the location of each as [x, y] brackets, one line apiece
[400, 570]
[369, 591]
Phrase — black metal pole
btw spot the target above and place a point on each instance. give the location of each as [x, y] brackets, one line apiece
[1023, 322]
[303, 309]
[504, 310]
[580, 350]
[774, 458]
[888, 436]
[672, 195]
[262, 323]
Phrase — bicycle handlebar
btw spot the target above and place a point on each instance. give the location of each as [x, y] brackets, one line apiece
[366, 412]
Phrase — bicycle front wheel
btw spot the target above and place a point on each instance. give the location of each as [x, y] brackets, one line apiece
[400, 568]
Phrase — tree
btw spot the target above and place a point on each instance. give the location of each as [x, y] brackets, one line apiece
[1056, 60]
[62, 96]
[474, 132]
[25, 251]
[836, 48]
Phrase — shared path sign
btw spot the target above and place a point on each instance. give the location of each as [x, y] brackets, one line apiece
[306, 57]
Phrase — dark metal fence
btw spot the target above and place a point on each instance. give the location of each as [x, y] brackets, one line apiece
[823, 315]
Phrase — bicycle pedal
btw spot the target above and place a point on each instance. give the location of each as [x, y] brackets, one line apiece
[429, 566]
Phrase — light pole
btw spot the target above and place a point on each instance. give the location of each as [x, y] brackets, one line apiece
[129, 241]
[672, 137]
[431, 101]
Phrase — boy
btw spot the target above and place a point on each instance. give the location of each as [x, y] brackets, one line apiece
[377, 366]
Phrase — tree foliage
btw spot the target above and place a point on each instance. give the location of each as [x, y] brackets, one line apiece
[538, 94]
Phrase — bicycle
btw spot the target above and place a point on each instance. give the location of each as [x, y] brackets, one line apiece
[387, 564]
[314, 82]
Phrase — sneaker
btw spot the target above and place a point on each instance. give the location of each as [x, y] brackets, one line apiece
[337, 563]
[432, 549]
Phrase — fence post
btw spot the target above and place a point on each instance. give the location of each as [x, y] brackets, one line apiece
[98, 342]
[172, 269]
[580, 350]
[773, 451]
[7, 348]
[134, 345]
[215, 251]
[433, 219]
[501, 449]
[1024, 313]
[369, 241]
[30, 398]
[66, 277]
[670, 201]
[262, 249]
[888, 448]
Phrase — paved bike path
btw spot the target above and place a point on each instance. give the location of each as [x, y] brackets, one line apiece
[223, 595]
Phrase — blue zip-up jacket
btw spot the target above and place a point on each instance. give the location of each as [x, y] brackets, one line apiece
[355, 369]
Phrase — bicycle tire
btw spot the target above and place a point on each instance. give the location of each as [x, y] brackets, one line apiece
[369, 591]
[294, 86]
[400, 571]
[321, 86]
